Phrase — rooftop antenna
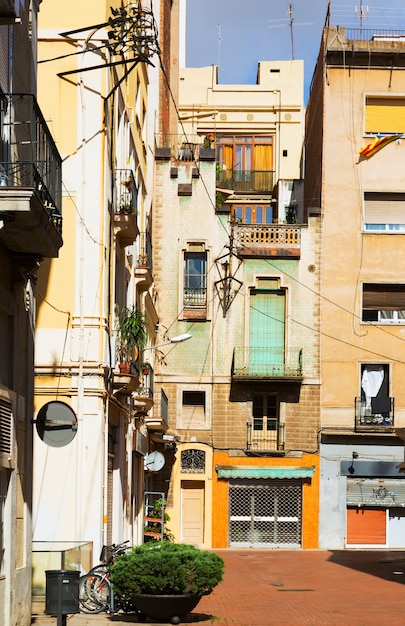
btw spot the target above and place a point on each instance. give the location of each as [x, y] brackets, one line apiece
[290, 14]
[219, 47]
[361, 12]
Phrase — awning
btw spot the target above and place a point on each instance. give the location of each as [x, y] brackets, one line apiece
[261, 471]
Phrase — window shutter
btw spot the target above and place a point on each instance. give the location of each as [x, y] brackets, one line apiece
[383, 297]
[6, 433]
[385, 115]
[384, 208]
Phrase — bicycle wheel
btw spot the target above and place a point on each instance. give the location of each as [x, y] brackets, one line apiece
[94, 592]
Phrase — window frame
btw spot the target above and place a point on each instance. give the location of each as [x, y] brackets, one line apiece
[198, 310]
[183, 421]
[378, 298]
[371, 210]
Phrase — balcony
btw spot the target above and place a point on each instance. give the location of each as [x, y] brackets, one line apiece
[30, 180]
[267, 363]
[374, 416]
[262, 440]
[125, 207]
[246, 181]
[268, 240]
[143, 268]
[158, 421]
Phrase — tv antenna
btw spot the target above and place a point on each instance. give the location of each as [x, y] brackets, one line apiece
[361, 12]
[290, 14]
[219, 46]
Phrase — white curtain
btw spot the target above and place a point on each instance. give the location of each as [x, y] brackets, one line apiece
[371, 382]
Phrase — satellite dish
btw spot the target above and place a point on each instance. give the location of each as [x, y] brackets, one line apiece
[154, 461]
[56, 424]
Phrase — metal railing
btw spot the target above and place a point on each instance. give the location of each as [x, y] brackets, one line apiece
[29, 156]
[264, 440]
[374, 34]
[267, 362]
[161, 406]
[261, 181]
[145, 250]
[374, 414]
[126, 192]
[182, 147]
[196, 297]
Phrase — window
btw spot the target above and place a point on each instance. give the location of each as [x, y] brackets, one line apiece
[384, 212]
[383, 303]
[384, 114]
[193, 461]
[375, 404]
[246, 159]
[4, 482]
[195, 278]
[264, 427]
[193, 413]
[253, 214]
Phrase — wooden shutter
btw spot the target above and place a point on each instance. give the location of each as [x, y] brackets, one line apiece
[383, 297]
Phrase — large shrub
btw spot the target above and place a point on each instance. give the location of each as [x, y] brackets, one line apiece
[166, 568]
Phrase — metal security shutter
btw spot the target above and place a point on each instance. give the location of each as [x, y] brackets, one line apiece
[265, 513]
[375, 492]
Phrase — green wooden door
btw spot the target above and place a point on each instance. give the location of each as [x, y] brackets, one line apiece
[267, 332]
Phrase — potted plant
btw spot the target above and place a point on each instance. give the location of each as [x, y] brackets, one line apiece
[131, 334]
[145, 368]
[166, 580]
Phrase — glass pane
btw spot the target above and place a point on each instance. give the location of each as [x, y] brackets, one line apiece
[269, 215]
[238, 213]
[248, 215]
[259, 215]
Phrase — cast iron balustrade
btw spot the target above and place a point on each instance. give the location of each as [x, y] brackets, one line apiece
[159, 420]
[263, 439]
[259, 181]
[30, 158]
[374, 415]
[126, 192]
[262, 363]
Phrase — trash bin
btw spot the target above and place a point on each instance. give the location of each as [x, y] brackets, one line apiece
[62, 592]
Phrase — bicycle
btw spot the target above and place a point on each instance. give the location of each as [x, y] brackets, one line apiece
[95, 589]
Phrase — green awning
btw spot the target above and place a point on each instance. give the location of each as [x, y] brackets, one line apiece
[262, 471]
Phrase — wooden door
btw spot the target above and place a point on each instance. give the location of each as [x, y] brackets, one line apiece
[192, 512]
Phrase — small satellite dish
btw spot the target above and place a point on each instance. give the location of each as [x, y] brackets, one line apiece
[154, 461]
[56, 424]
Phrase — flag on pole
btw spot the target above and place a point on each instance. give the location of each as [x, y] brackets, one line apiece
[378, 143]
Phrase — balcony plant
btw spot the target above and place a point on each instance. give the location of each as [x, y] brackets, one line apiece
[166, 580]
[131, 334]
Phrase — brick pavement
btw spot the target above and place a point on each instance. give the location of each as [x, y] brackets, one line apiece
[289, 588]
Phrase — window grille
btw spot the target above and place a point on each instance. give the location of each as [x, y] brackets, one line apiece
[193, 461]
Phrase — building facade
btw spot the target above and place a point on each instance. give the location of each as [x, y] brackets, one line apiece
[90, 492]
[30, 234]
[237, 268]
[354, 174]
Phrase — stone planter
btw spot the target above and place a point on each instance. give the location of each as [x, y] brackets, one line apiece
[166, 607]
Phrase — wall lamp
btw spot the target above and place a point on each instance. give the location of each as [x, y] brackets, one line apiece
[350, 469]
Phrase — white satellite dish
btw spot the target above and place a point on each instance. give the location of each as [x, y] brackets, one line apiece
[154, 461]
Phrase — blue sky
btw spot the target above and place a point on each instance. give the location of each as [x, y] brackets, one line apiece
[237, 34]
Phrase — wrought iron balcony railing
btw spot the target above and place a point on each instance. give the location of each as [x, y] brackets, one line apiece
[195, 297]
[29, 157]
[267, 362]
[260, 181]
[263, 439]
[374, 414]
[126, 192]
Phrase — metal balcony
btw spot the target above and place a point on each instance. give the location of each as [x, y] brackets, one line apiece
[246, 181]
[159, 420]
[30, 179]
[375, 415]
[267, 363]
[125, 207]
[262, 440]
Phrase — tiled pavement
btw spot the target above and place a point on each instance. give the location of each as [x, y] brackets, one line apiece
[289, 588]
